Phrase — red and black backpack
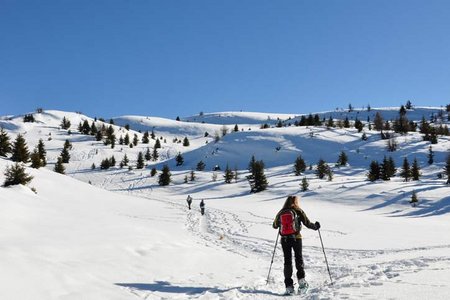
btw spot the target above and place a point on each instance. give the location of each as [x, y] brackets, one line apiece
[289, 223]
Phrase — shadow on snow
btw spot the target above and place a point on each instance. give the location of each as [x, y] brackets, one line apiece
[167, 287]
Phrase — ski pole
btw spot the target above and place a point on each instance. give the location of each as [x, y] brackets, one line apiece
[326, 261]
[274, 248]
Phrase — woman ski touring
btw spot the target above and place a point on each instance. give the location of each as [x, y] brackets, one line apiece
[289, 220]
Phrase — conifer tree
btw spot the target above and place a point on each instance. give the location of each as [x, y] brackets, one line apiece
[342, 159]
[186, 142]
[140, 161]
[85, 128]
[148, 155]
[135, 140]
[20, 151]
[65, 155]
[304, 185]
[415, 170]
[387, 168]
[42, 152]
[126, 140]
[236, 128]
[430, 155]
[98, 136]
[36, 161]
[228, 175]
[406, 170]
[93, 129]
[59, 167]
[165, 176]
[145, 138]
[374, 171]
[65, 123]
[251, 164]
[364, 136]
[192, 176]
[359, 125]
[155, 154]
[179, 159]
[157, 144]
[299, 166]
[200, 166]
[378, 122]
[257, 179]
[153, 172]
[447, 169]
[322, 169]
[105, 164]
[124, 161]
[414, 200]
[5, 144]
[16, 174]
[330, 123]
[112, 161]
[346, 123]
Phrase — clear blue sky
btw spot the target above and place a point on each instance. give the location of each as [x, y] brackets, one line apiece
[177, 58]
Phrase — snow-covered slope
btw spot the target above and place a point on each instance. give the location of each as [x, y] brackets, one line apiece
[125, 237]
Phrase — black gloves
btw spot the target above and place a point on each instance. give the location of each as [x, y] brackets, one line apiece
[317, 225]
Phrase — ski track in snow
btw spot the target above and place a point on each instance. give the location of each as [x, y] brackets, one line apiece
[351, 269]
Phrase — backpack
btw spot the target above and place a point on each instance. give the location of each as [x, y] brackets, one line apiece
[289, 224]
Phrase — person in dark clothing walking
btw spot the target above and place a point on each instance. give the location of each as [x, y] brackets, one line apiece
[202, 207]
[189, 201]
[294, 242]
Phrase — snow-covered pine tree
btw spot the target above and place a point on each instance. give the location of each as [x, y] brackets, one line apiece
[228, 174]
[405, 172]
[342, 159]
[304, 184]
[179, 159]
[59, 167]
[42, 152]
[140, 161]
[165, 176]
[157, 144]
[299, 166]
[258, 180]
[16, 174]
[148, 155]
[20, 151]
[65, 123]
[447, 168]
[5, 144]
[36, 161]
[374, 171]
[322, 169]
[415, 170]
[145, 138]
[65, 155]
[186, 142]
[200, 166]
[414, 200]
[155, 154]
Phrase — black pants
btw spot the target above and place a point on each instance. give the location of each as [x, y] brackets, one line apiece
[289, 244]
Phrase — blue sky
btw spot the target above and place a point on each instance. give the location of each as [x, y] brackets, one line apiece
[178, 58]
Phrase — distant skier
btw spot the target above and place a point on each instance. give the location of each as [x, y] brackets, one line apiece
[289, 220]
[202, 207]
[189, 201]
